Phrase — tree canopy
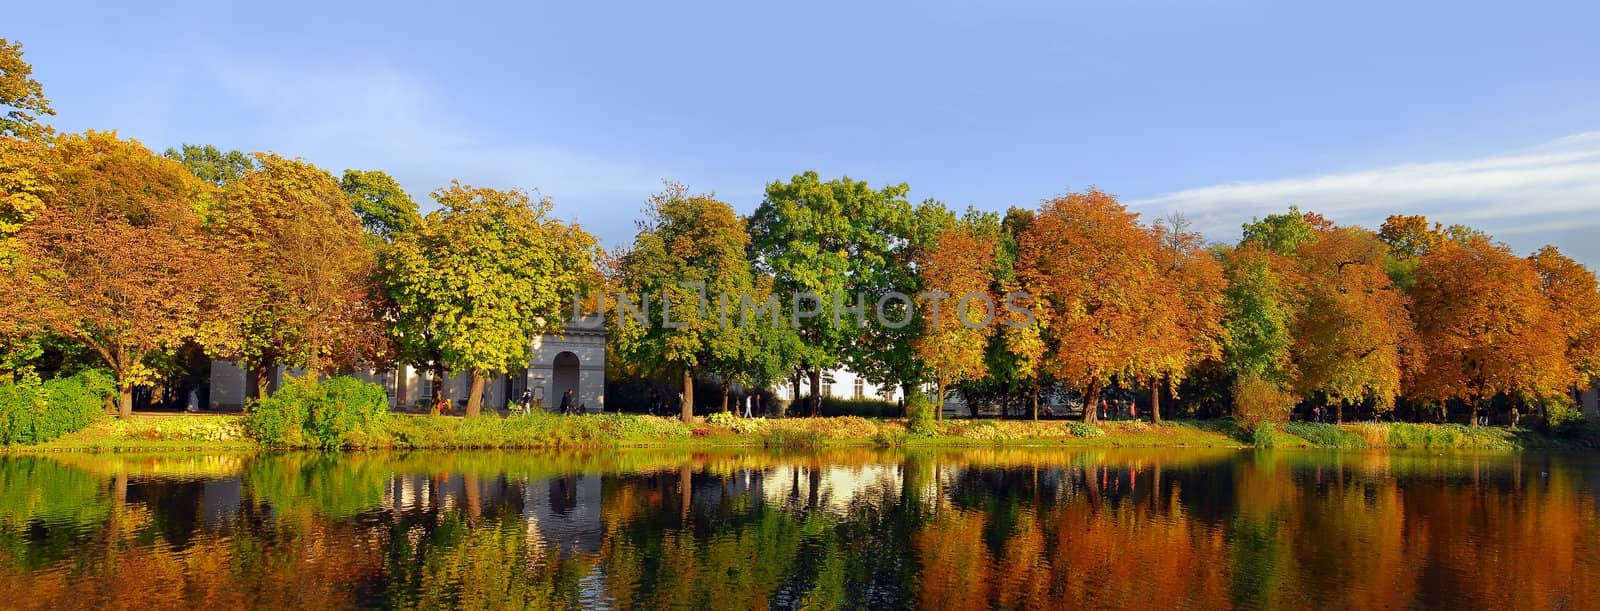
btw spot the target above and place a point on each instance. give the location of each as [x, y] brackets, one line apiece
[486, 274]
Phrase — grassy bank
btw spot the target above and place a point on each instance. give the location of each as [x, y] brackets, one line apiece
[540, 431]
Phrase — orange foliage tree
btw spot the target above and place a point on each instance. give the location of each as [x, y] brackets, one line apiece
[953, 342]
[119, 258]
[1185, 325]
[1091, 269]
[1353, 335]
[1575, 302]
[1485, 326]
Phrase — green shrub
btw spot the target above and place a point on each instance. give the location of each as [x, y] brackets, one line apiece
[726, 419]
[1325, 435]
[1084, 430]
[35, 412]
[919, 416]
[1257, 401]
[329, 414]
[1564, 419]
[1264, 435]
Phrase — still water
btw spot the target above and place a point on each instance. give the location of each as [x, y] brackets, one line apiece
[858, 528]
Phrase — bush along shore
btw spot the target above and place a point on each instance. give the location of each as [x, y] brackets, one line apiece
[550, 431]
[348, 414]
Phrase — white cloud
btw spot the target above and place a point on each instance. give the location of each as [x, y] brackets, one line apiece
[1542, 194]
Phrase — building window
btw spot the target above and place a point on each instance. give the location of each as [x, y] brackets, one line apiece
[860, 388]
[827, 384]
[886, 392]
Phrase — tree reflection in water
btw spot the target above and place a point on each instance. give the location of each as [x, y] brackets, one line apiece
[836, 528]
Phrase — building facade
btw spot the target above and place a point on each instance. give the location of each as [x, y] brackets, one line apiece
[574, 360]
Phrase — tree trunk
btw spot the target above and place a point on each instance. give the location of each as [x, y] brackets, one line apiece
[1155, 401]
[438, 382]
[259, 380]
[938, 406]
[725, 396]
[475, 396]
[1091, 403]
[816, 392]
[1338, 412]
[1036, 401]
[688, 397]
[125, 403]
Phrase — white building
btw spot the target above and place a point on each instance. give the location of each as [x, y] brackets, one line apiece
[574, 360]
[843, 384]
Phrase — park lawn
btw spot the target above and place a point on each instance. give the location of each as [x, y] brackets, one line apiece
[228, 433]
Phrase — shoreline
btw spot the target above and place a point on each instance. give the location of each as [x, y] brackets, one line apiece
[227, 433]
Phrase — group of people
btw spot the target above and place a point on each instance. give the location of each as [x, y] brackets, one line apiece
[1118, 409]
[568, 406]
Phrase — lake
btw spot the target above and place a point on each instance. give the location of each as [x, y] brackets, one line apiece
[860, 527]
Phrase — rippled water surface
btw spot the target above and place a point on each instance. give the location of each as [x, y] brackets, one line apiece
[840, 528]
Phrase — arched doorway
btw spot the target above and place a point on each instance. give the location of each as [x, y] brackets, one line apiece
[564, 377]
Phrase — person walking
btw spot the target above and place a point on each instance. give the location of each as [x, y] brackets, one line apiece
[748, 402]
[566, 402]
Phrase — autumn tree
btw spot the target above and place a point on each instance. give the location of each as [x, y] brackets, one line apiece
[1409, 237]
[21, 96]
[312, 277]
[1092, 269]
[1574, 301]
[120, 260]
[1016, 349]
[25, 172]
[688, 260]
[486, 274]
[1353, 335]
[27, 179]
[1485, 326]
[825, 244]
[1185, 326]
[958, 270]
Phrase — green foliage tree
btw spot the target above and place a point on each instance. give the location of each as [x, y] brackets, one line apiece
[1283, 233]
[830, 239]
[211, 164]
[484, 275]
[1257, 317]
[687, 260]
[383, 207]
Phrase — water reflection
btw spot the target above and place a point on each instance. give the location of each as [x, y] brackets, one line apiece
[840, 528]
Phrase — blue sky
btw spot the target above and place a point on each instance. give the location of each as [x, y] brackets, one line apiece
[1485, 114]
